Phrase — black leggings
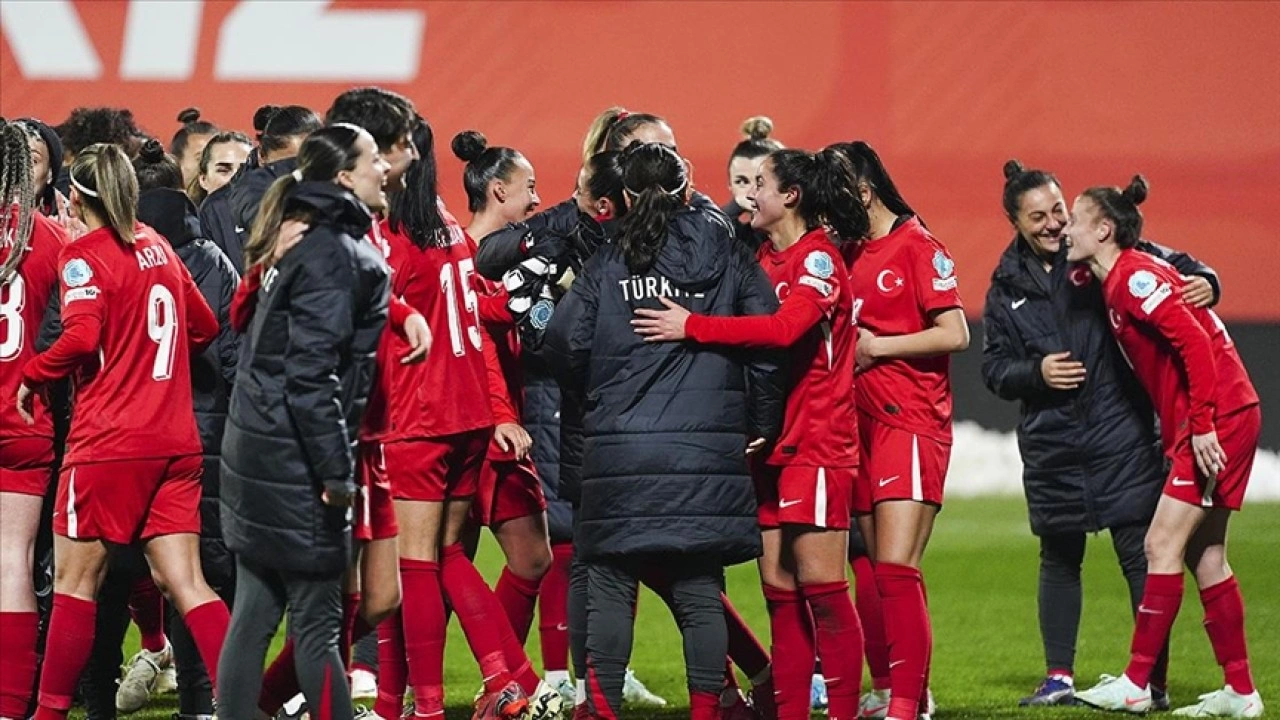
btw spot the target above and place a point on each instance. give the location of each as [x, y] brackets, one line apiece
[689, 585]
[1061, 592]
[315, 625]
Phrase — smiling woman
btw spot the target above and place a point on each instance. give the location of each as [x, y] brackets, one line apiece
[219, 162]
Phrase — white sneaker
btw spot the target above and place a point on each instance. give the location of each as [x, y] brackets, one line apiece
[567, 693]
[874, 704]
[546, 703]
[1117, 693]
[168, 681]
[364, 685]
[1225, 703]
[142, 674]
[635, 694]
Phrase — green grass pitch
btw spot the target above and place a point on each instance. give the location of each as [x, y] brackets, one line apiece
[981, 572]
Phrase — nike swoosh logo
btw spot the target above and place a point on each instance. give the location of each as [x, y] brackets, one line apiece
[886, 481]
[896, 663]
[1132, 701]
[1019, 303]
[1179, 482]
[787, 503]
[562, 627]
[1148, 611]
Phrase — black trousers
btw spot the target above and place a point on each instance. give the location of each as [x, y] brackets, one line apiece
[689, 585]
[1061, 592]
[314, 604]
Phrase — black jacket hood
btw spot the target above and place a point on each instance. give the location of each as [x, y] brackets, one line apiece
[171, 213]
[331, 204]
[696, 252]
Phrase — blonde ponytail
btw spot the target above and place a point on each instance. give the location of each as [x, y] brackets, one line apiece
[104, 177]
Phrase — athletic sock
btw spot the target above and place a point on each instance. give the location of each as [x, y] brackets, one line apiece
[553, 612]
[871, 615]
[704, 705]
[518, 597]
[424, 633]
[838, 634]
[18, 635]
[350, 612]
[393, 670]
[794, 650]
[146, 606]
[207, 624]
[479, 614]
[1224, 622]
[906, 621]
[70, 642]
[1160, 603]
[745, 649]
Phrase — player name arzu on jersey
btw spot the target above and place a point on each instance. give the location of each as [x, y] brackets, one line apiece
[150, 257]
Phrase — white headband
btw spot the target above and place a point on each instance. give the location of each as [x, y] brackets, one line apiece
[82, 188]
[672, 193]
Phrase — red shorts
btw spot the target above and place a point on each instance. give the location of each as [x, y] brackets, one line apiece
[508, 489]
[375, 509]
[898, 465]
[124, 501]
[26, 465]
[1238, 435]
[805, 495]
[436, 469]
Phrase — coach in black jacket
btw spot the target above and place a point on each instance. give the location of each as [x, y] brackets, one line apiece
[665, 485]
[1091, 454]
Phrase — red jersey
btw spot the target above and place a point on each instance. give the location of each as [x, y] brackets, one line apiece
[899, 280]
[135, 310]
[820, 426]
[502, 358]
[1182, 355]
[447, 393]
[23, 301]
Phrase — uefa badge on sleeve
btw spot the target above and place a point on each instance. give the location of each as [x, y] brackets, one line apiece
[1142, 284]
[819, 265]
[76, 273]
[945, 269]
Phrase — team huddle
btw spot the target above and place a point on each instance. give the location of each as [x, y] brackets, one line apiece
[270, 375]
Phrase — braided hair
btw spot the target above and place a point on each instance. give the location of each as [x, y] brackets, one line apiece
[17, 196]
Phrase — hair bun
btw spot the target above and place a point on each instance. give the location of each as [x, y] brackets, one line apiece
[468, 145]
[263, 115]
[1013, 169]
[189, 115]
[757, 128]
[152, 151]
[1136, 192]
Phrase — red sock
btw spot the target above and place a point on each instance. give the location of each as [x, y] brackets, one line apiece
[906, 621]
[480, 616]
[424, 631]
[70, 641]
[146, 605]
[704, 705]
[553, 610]
[18, 634]
[794, 651]
[208, 626]
[350, 613]
[1224, 621]
[839, 642]
[745, 649]
[279, 682]
[1159, 608]
[518, 597]
[871, 615]
[393, 671]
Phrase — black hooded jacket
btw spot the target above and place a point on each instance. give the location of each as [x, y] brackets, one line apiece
[1091, 456]
[665, 425]
[228, 214]
[173, 215]
[306, 367]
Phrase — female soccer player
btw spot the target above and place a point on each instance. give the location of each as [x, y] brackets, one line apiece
[219, 162]
[638, 500]
[806, 485]
[910, 320]
[432, 454]
[1209, 425]
[131, 314]
[189, 142]
[744, 161]
[29, 247]
[501, 189]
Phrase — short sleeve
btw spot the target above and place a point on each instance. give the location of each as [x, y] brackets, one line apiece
[934, 276]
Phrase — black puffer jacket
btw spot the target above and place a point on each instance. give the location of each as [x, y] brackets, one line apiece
[542, 421]
[306, 367]
[1091, 456]
[228, 213]
[665, 424]
[212, 373]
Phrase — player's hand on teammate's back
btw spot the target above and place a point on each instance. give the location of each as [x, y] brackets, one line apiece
[291, 233]
[1198, 292]
[661, 325]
